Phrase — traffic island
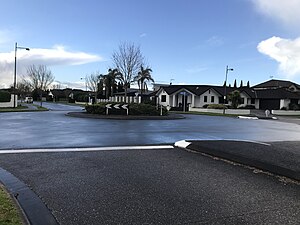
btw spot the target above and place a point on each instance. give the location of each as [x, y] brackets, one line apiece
[124, 117]
[280, 158]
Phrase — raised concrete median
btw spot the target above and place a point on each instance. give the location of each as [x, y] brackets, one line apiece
[281, 158]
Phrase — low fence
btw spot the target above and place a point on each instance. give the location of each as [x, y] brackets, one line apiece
[286, 113]
[129, 99]
[9, 104]
[220, 111]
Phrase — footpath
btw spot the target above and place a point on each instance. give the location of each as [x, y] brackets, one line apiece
[280, 158]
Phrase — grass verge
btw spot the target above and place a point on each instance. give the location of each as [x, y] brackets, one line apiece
[205, 114]
[23, 109]
[9, 213]
[17, 109]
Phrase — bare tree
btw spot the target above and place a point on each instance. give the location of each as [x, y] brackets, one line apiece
[39, 77]
[128, 59]
[57, 85]
[92, 81]
[23, 88]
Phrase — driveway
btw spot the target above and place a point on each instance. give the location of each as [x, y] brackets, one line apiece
[54, 129]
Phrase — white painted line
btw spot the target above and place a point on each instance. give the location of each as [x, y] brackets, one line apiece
[237, 140]
[248, 117]
[255, 142]
[182, 144]
[94, 149]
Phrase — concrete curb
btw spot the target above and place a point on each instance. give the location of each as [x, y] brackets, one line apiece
[121, 117]
[260, 163]
[34, 209]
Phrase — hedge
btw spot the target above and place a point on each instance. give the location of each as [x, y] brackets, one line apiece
[216, 106]
[5, 96]
[134, 109]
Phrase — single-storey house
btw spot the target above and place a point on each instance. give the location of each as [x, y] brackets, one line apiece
[262, 96]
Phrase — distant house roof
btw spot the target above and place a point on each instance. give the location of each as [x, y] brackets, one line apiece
[279, 93]
[276, 84]
[134, 92]
[200, 89]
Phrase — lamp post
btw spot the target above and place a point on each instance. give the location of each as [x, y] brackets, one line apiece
[15, 73]
[225, 84]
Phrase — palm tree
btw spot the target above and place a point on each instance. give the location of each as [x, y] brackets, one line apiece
[144, 76]
[109, 81]
[235, 98]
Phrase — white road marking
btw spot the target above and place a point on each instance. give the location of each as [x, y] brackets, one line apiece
[237, 140]
[93, 149]
[182, 144]
[255, 142]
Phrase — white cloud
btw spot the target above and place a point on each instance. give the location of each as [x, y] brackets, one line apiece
[285, 11]
[56, 56]
[285, 51]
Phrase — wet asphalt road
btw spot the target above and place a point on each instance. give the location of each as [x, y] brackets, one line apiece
[153, 187]
[145, 186]
[54, 129]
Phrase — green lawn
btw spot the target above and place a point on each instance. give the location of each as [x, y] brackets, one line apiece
[9, 213]
[17, 109]
[205, 114]
[23, 109]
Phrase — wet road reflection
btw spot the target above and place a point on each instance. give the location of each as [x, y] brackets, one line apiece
[54, 129]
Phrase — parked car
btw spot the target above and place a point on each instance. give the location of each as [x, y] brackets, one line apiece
[29, 100]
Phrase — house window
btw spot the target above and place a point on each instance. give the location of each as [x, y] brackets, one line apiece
[252, 101]
[212, 99]
[205, 98]
[163, 98]
[208, 91]
[242, 101]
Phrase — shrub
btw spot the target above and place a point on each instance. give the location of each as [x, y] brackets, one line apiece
[96, 109]
[283, 108]
[205, 106]
[293, 106]
[134, 109]
[216, 106]
[247, 107]
[4, 96]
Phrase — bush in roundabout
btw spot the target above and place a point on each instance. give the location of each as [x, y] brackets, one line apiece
[134, 109]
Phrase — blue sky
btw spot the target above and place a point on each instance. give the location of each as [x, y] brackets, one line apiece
[190, 41]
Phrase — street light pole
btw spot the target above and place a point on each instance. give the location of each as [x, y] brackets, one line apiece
[15, 71]
[225, 84]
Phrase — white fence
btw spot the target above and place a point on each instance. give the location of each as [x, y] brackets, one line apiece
[220, 111]
[129, 99]
[285, 113]
[9, 104]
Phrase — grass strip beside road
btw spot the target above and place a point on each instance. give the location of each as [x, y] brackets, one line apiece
[17, 109]
[9, 213]
[23, 109]
[205, 114]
